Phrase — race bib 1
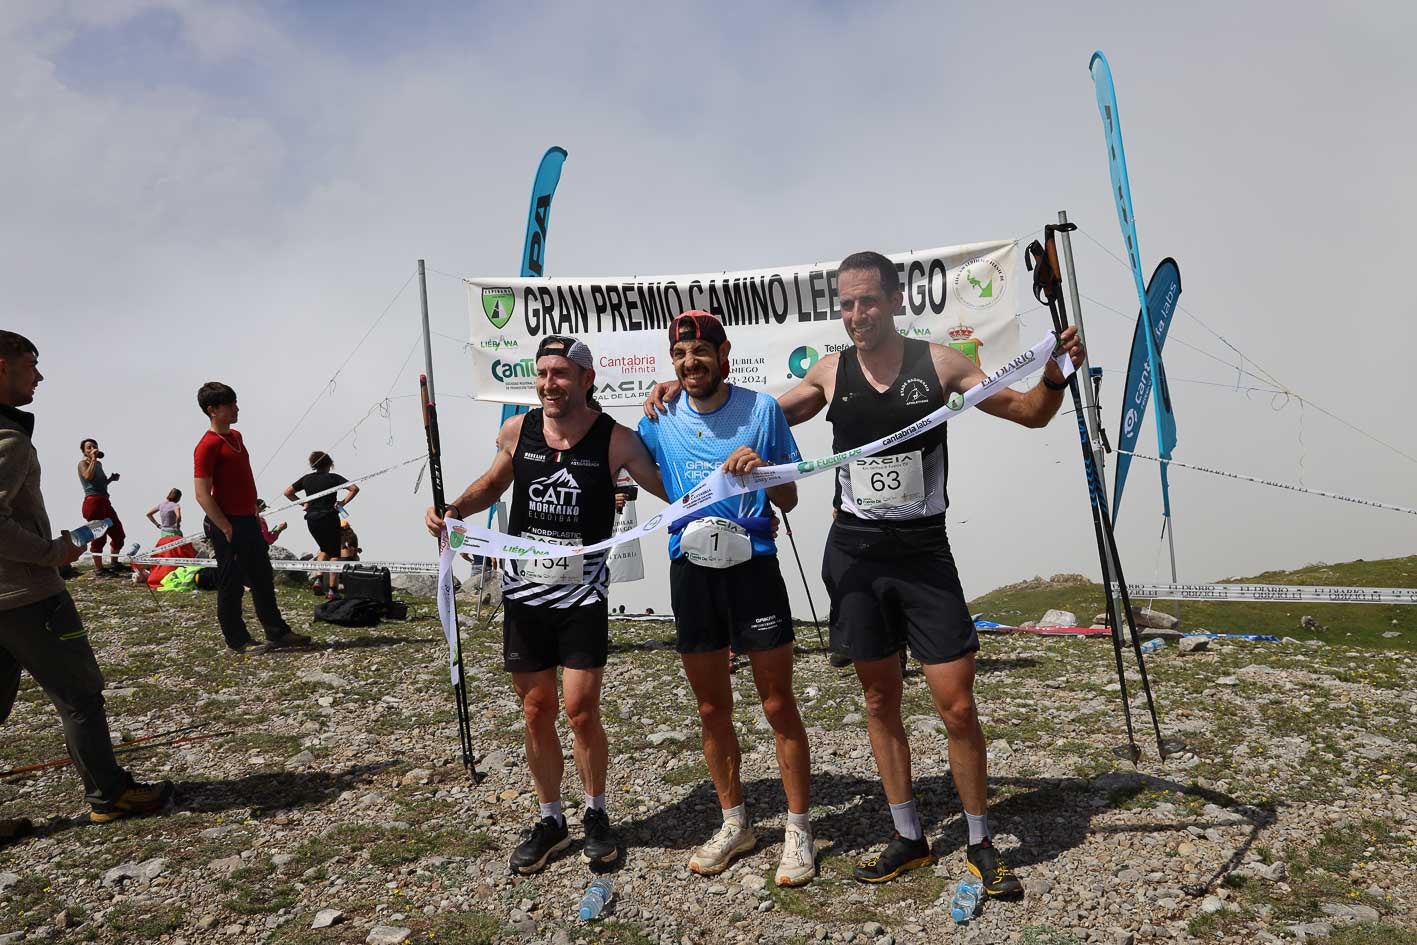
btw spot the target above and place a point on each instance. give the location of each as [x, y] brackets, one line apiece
[879, 482]
[569, 569]
[715, 543]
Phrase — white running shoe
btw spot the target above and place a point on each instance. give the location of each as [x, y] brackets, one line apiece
[732, 840]
[799, 859]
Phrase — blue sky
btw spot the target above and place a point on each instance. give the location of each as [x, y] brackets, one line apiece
[237, 190]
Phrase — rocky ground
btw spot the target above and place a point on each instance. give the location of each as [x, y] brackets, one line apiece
[324, 786]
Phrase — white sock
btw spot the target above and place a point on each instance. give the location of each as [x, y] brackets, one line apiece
[736, 815]
[803, 820]
[553, 810]
[907, 820]
[595, 802]
[978, 826]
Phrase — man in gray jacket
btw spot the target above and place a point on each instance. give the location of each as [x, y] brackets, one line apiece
[40, 629]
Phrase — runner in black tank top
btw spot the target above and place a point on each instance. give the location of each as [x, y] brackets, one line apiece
[566, 497]
[906, 482]
[560, 462]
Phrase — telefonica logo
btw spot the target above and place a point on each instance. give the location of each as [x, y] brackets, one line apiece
[800, 361]
[506, 370]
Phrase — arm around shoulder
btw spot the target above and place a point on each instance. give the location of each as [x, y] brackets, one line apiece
[811, 394]
[628, 452]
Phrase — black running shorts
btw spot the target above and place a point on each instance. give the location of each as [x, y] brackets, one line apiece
[745, 606]
[325, 530]
[538, 638]
[895, 585]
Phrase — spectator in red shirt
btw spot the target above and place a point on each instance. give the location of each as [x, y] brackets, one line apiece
[226, 491]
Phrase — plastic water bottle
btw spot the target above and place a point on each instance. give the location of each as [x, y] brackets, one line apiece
[966, 900]
[595, 898]
[90, 531]
[1151, 646]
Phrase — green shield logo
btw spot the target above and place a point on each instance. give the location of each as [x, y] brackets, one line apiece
[455, 538]
[498, 302]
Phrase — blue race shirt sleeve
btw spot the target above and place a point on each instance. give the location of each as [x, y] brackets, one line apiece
[649, 436]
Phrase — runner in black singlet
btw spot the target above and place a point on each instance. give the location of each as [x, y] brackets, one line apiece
[561, 461]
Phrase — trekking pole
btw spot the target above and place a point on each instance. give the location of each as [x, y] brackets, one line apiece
[147, 741]
[1047, 288]
[787, 526]
[435, 479]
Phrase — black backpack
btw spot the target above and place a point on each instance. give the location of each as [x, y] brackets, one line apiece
[350, 611]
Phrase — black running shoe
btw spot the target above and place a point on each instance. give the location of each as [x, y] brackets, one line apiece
[601, 848]
[899, 856]
[287, 640]
[548, 836]
[999, 881]
[839, 660]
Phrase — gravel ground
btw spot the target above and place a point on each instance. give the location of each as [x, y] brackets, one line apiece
[333, 782]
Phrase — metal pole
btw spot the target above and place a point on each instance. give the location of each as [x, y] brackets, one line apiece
[427, 336]
[1171, 541]
[1093, 414]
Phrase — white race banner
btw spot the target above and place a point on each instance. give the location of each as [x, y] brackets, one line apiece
[780, 320]
[719, 485]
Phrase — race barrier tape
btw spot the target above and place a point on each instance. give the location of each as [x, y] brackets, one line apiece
[719, 485]
[1316, 594]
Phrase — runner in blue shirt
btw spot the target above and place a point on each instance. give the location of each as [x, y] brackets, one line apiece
[725, 585]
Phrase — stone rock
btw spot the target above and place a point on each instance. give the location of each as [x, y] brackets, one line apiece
[1227, 681]
[1303, 930]
[10, 938]
[1058, 618]
[1123, 937]
[754, 882]
[227, 864]
[418, 776]
[302, 760]
[1155, 619]
[1212, 904]
[320, 678]
[876, 929]
[1310, 624]
[292, 578]
[1194, 644]
[216, 833]
[493, 760]
[326, 918]
[144, 872]
[419, 585]
[387, 935]
[659, 738]
[1350, 912]
[8, 881]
